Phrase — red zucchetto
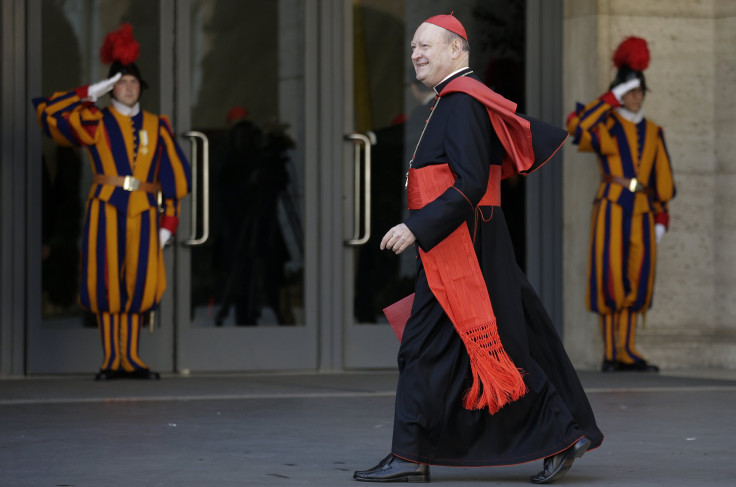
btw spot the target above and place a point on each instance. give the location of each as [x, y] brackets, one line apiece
[448, 22]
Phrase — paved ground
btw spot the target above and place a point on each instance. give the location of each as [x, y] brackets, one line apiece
[672, 429]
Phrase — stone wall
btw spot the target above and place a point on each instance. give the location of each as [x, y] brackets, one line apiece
[691, 77]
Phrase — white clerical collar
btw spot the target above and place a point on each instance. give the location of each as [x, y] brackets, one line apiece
[448, 77]
[123, 109]
[634, 117]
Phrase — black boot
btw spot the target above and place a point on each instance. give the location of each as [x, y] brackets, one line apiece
[609, 366]
[394, 469]
[145, 374]
[556, 466]
[107, 374]
[638, 366]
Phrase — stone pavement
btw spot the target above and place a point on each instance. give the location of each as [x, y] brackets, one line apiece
[310, 429]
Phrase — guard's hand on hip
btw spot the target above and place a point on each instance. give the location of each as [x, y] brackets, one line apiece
[164, 234]
[659, 230]
[398, 239]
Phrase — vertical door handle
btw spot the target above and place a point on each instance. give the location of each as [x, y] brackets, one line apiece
[361, 206]
[195, 137]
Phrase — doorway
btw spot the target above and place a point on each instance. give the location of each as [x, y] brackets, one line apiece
[275, 263]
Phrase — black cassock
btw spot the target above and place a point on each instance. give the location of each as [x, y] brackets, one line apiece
[430, 424]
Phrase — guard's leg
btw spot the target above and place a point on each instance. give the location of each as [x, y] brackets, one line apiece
[626, 337]
[109, 326]
[130, 325]
[608, 332]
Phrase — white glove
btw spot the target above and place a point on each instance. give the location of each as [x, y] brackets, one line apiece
[96, 90]
[164, 234]
[620, 90]
[659, 230]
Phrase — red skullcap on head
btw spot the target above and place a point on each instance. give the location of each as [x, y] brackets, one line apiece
[450, 23]
[235, 113]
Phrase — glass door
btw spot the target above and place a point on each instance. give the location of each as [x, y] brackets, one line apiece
[377, 102]
[240, 254]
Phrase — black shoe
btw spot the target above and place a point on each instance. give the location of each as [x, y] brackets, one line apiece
[107, 374]
[394, 469]
[145, 374]
[609, 366]
[639, 366]
[556, 466]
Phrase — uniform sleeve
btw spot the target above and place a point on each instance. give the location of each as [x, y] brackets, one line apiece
[662, 180]
[67, 119]
[587, 125]
[175, 175]
[471, 146]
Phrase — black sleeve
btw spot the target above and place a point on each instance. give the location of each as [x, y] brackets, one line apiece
[471, 146]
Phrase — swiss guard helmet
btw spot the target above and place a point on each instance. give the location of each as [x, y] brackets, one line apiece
[121, 51]
[631, 58]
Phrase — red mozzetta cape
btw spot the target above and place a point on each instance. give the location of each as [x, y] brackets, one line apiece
[528, 142]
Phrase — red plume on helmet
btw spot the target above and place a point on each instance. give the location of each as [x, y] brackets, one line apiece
[120, 46]
[121, 51]
[632, 52]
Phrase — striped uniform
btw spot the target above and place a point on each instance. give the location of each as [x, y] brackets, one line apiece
[623, 249]
[122, 262]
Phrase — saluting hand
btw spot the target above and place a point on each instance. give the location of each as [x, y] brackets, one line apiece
[398, 239]
[621, 89]
[96, 90]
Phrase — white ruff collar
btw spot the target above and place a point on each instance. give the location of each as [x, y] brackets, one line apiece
[125, 109]
[634, 117]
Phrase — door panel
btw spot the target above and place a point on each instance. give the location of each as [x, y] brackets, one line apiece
[240, 302]
[374, 278]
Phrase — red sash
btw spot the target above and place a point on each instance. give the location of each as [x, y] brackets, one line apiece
[456, 280]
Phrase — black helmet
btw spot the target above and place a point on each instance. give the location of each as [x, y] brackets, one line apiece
[131, 69]
[625, 73]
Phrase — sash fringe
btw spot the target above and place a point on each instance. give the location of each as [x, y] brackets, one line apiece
[496, 382]
[456, 280]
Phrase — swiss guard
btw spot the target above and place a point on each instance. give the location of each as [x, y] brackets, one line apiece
[136, 163]
[630, 211]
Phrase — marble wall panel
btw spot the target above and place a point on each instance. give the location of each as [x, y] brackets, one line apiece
[725, 97]
[664, 9]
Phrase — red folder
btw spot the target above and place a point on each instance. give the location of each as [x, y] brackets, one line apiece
[398, 314]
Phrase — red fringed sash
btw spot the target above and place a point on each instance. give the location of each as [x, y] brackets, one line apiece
[456, 280]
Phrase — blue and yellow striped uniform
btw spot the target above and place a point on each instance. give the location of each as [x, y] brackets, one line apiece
[122, 271]
[623, 248]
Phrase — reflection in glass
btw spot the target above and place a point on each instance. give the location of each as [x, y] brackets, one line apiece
[73, 31]
[380, 77]
[248, 101]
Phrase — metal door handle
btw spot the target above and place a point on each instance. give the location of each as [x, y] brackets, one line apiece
[194, 138]
[358, 140]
